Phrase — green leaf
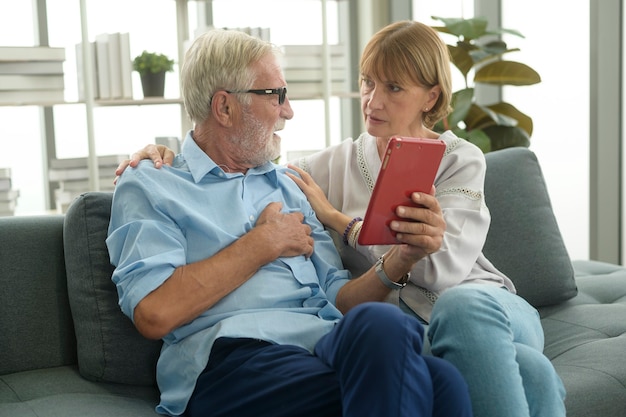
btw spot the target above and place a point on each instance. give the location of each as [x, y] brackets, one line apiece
[461, 59]
[461, 104]
[496, 47]
[480, 139]
[477, 52]
[507, 137]
[506, 31]
[479, 117]
[507, 73]
[466, 29]
[524, 122]
[482, 56]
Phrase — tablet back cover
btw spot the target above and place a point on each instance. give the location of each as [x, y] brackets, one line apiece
[409, 165]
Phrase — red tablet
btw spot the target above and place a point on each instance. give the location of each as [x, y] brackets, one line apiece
[409, 165]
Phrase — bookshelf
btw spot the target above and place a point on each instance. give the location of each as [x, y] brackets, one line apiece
[182, 21]
[323, 71]
[330, 79]
[329, 82]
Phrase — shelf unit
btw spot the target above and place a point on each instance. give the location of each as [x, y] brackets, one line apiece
[182, 32]
[346, 14]
[182, 24]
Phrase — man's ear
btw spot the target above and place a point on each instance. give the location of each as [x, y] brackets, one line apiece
[222, 108]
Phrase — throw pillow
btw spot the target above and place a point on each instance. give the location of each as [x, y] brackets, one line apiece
[108, 345]
[524, 240]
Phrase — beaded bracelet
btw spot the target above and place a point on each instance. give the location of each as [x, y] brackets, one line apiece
[348, 228]
[353, 236]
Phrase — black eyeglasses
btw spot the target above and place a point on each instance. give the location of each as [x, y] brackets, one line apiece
[280, 92]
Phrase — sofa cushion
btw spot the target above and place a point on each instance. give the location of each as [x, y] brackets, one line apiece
[62, 392]
[524, 240]
[35, 320]
[109, 347]
[586, 339]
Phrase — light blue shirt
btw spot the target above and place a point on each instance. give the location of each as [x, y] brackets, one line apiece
[172, 216]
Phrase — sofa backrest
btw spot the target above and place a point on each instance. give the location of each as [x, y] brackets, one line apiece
[109, 347]
[35, 320]
[524, 240]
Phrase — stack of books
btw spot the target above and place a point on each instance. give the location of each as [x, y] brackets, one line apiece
[257, 32]
[8, 195]
[304, 72]
[111, 64]
[31, 75]
[72, 175]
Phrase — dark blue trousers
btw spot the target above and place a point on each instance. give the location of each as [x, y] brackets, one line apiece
[369, 365]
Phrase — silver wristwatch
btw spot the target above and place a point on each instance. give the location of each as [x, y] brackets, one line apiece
[392, 285]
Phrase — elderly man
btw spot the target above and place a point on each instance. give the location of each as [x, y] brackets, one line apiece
[222, 257]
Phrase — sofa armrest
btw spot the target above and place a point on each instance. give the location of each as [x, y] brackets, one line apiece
[35, 319]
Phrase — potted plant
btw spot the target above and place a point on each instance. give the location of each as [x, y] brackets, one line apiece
[494, 126]
[152, 67]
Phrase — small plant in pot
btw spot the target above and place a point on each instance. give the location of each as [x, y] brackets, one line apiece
[152, 67]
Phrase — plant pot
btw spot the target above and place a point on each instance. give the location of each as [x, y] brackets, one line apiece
[153, 84]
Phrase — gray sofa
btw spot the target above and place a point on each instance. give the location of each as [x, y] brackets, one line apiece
[66, 349]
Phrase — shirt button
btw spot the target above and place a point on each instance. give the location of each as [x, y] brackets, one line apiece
[251, 218]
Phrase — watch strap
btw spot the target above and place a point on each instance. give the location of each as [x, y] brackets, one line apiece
[382, 275]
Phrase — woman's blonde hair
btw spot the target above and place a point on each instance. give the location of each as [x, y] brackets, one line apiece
[219, 59]
[411, 53]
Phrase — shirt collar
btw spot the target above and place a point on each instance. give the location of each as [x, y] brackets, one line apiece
[200, 164]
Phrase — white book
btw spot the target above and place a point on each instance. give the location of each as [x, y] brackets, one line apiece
[126, 66]
[72, 169]
[5, 172]
[313, 89]
[31, 82]
[5, 184]
[68, 174]
[102, 62]
[265, 34]
[115, 65]
[34, 97]
[335, 49]
[312, 74]
[310, 61]
[8, 195]
[82, 185]
[7, 206]
[254, 31]
[310, 56]
[80, 74]
[31, 53]
[81, 162]
[31, 67]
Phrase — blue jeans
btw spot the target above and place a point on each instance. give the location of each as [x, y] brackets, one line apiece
[495, 339]
[369, 365]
